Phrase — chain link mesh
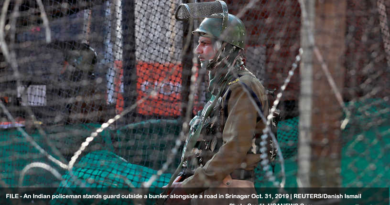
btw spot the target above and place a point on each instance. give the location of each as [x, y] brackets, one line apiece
[100, 84]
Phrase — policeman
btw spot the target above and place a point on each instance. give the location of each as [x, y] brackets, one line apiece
[228, 130]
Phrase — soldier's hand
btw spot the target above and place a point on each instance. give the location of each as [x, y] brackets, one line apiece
[176, 183]
[176, 189]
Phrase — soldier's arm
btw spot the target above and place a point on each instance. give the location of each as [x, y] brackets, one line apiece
[237, 135]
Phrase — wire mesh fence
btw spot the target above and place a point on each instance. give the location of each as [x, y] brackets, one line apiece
[103, 88]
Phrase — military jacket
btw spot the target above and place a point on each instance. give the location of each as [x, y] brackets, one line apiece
[228, 139]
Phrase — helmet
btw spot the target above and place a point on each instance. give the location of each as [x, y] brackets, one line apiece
[234, 32]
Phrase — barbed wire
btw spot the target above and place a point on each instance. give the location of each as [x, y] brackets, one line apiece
[369, 85]
[11, 58]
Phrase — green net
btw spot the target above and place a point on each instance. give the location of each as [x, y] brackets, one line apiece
[362, 157]
[143, 148]
[17, 151]
[104, 86]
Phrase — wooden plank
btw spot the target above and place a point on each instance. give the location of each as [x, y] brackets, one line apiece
[320, 110]
[330, 25]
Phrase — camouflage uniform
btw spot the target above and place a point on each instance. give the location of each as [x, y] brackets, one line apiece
[229, 143]
[228, 140]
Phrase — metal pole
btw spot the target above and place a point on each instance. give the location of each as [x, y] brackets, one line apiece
[187, 65]
[129, 58]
